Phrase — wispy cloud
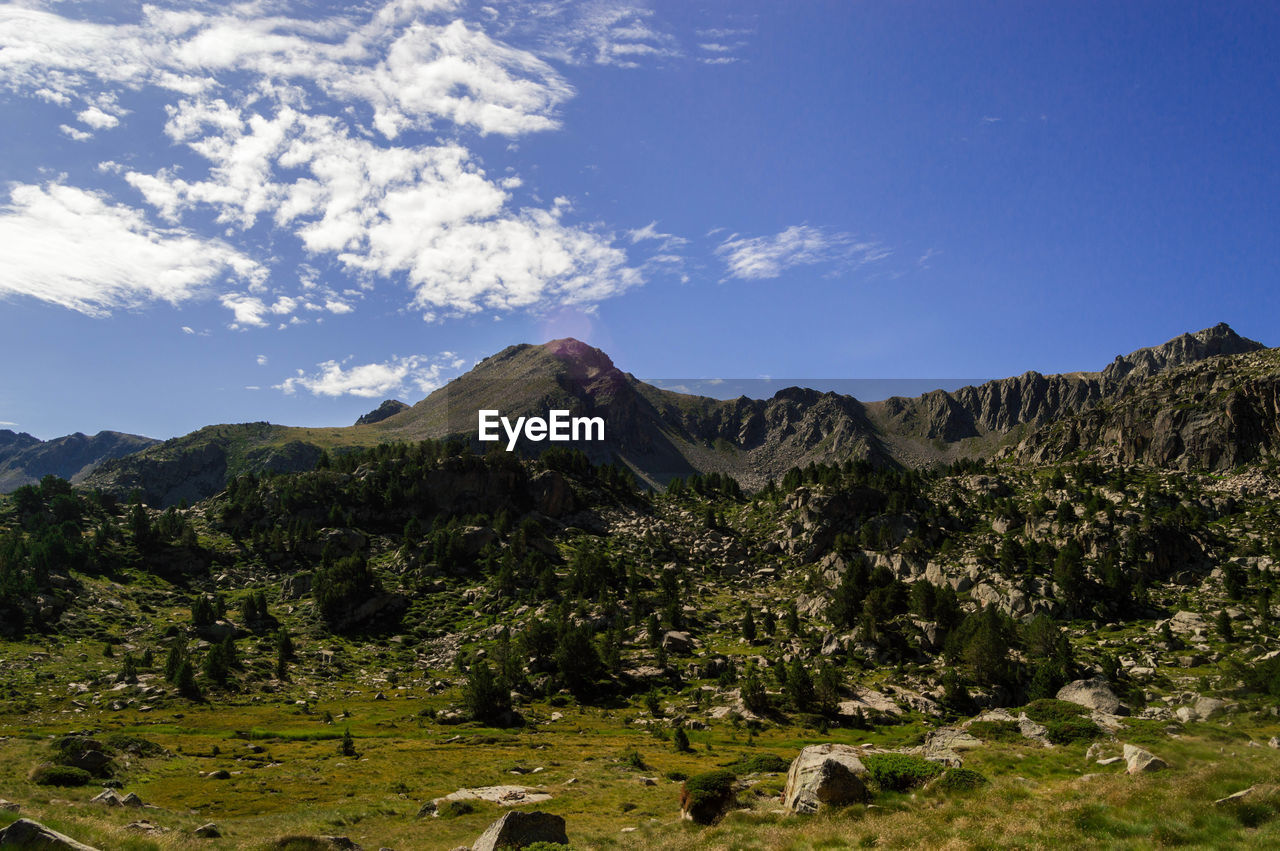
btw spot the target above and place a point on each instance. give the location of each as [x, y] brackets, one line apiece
[276, 108]
[417, 372]
[799, 245]
[74, 248]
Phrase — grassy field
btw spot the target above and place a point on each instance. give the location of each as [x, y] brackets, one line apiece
[286, 776]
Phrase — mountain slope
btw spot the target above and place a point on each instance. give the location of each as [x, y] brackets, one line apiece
[25, 459]
[660, 434]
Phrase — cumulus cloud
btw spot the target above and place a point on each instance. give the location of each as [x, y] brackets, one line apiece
[348, 132]
[799, 245]
[399, 374]
[74, 248]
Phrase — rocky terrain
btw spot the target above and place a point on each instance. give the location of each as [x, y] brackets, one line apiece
[1070, 639]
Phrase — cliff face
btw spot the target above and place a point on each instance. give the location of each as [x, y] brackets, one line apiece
[1033, 399]
[1213, 415]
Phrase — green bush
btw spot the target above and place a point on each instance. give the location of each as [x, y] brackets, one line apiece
[632, 759]
[1049, 709]
[135, 745]
[708, 787]
[996, 731]
[896, 772]
[59, 775]
[676, 776]
[1071, 730]
[763, 762]
[960, 780]
[453, 809]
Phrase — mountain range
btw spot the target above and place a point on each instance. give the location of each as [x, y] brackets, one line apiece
[661, 434]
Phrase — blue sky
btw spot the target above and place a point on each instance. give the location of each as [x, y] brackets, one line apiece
[288, 212]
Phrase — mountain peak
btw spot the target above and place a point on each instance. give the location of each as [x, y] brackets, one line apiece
[579, 354]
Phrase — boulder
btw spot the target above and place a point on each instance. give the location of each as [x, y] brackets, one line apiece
[552, 495]
[677, 642]
[208, 831]
[1141, 761]
[517, 829]
[9, 806]
[825, 775]
[25, 833]
[295, 586]
[1094, 693]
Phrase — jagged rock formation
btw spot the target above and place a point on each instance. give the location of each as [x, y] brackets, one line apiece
[661, 434]
[24, 459]
[389, 408]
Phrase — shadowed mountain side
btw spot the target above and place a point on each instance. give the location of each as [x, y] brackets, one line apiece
[25, 459]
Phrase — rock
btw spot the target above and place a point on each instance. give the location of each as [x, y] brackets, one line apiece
[1274, 742]
[108, 798]
[131, 800]
[9, 806]
[25, 833]
[1141, 761]
[1207, 707]
[552, 495]
[944, 746]
[1094, 693]
[1236, 797]
[517, 829]
[824, 775]
[674, 641]
[389, 408]
[1111, 760]
[220, 774]
[145, 826]
[295, 586]
[208, 831]
[507, 796]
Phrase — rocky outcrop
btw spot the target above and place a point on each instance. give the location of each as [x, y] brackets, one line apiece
[1140, 761]
[1095, 694]
[825, 775]
[518, 829]
[27, 834]
[389, 408]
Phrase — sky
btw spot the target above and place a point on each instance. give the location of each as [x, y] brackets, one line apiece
[218, 212]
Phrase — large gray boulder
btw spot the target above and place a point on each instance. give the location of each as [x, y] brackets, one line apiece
[1094, 693]
[518, 829]
[1141, 761]
[825, 775]
[33, 836]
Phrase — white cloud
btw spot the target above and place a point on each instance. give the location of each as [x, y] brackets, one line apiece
[599, 32]
[75, 133]
[333, 305]
[7, 423]
[248, 310]
[187, 329]
[97, 119]
[262, 360]
[417, 372]
[798, 245]
[273, 105]
[71, 247]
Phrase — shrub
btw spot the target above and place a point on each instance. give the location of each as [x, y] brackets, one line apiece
[676, 776]
[896, 772]
[1050, 709]
[705, 796]
[59, 775]
[135, 745]
[453, 809]
[761, 762]
[996, 731]
[1071, 730]
[632, 759]
[960, 780]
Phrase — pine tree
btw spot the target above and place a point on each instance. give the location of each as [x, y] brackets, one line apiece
[680, 739]
[348, 746]
[749, 626]
[1225, 628]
